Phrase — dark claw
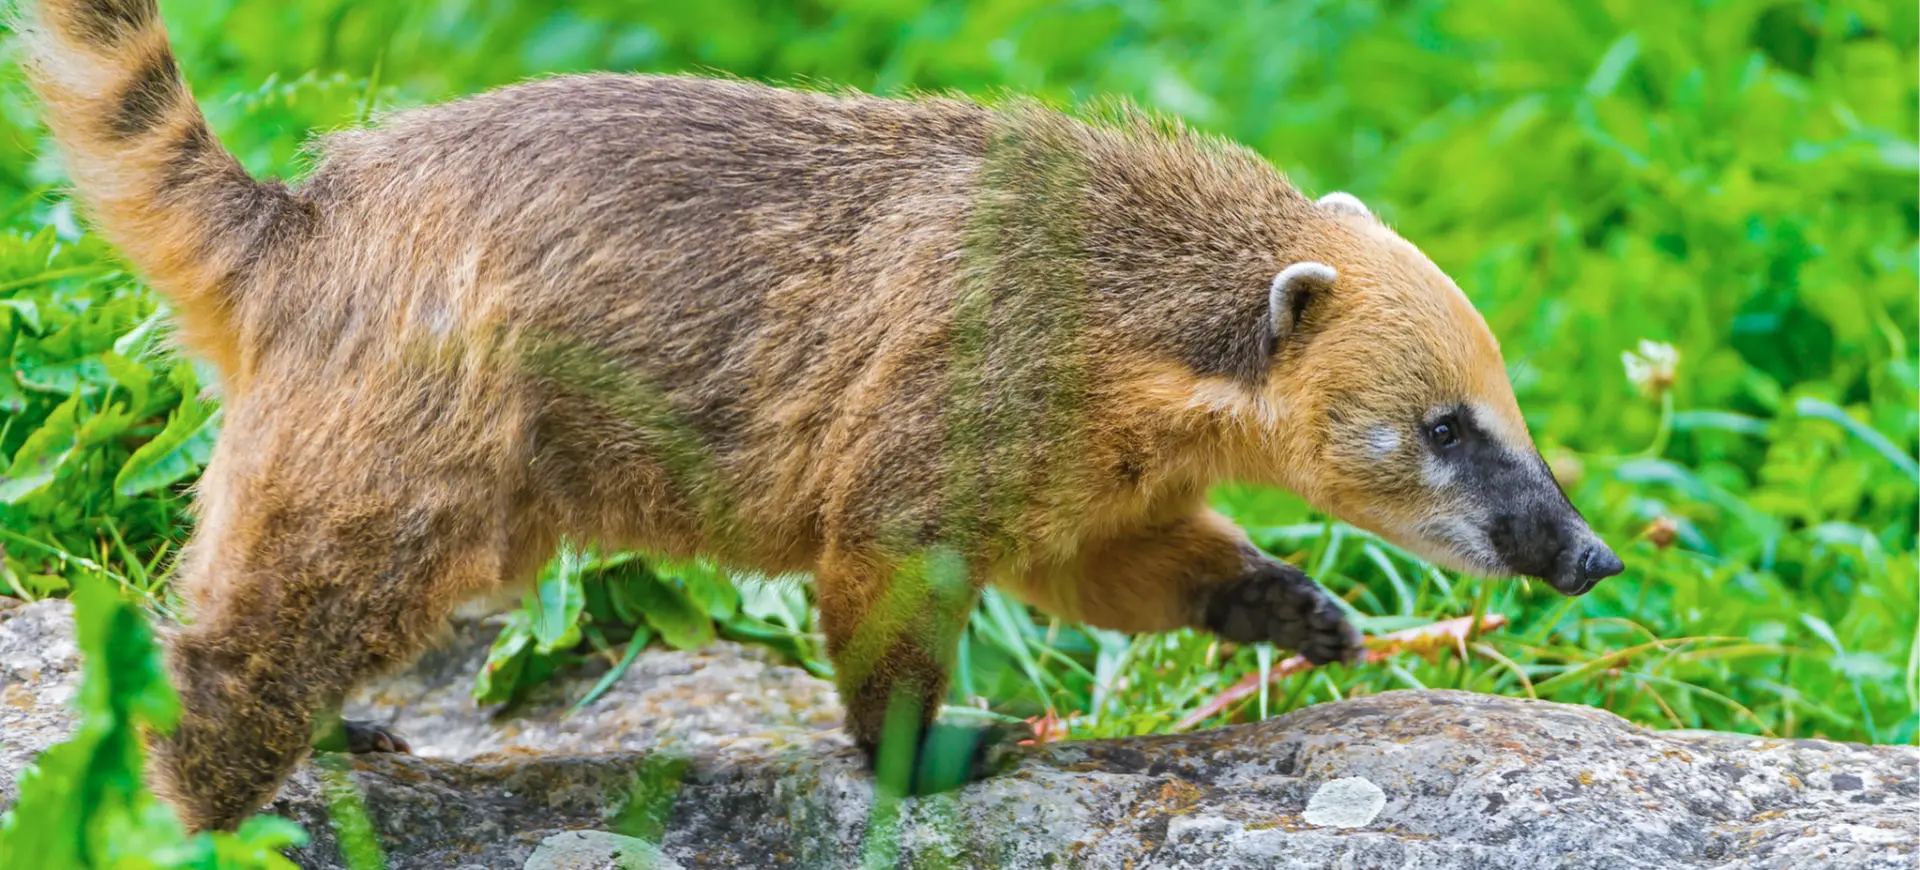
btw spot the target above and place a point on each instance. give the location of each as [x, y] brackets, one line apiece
[1279, 604]
[367, 737]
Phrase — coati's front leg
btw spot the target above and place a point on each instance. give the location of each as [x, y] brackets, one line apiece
[1196, 570]
[892, 628]
[302, 590]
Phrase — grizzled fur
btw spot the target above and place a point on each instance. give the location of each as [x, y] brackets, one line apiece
[794, 331]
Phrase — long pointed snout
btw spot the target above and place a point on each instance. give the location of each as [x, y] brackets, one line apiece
[1536, 531]
[1525, 523]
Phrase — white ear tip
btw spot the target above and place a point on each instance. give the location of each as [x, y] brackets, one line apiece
[1290, 278]
[1346, 202]
[1311, 271]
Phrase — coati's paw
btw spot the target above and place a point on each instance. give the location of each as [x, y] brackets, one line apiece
[361, 738]
[1279, 604]
[946, 756]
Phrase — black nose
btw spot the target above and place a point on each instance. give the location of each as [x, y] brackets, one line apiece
[1599, 563]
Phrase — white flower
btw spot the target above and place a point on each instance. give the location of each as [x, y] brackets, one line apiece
[1651, 370]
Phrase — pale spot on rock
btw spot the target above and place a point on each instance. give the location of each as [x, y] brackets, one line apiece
[1352, 802]
[597, 850]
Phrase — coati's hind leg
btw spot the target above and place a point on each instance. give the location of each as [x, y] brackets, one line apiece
[306, 585]
[892, 629]
[1197, 570]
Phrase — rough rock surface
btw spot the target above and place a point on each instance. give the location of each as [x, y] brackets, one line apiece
[728, 759]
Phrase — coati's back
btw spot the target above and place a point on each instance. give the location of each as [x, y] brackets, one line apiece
[622, 211]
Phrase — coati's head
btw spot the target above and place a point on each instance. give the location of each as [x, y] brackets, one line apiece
[1399, 414]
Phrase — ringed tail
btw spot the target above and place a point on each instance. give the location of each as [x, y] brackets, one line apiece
[148, 171]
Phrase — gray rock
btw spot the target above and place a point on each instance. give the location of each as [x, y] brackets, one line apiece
[727, 758]
[39, 674]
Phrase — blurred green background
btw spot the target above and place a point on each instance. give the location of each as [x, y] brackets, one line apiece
[1733, 179]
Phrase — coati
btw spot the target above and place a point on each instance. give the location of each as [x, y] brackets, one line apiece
[911, 346]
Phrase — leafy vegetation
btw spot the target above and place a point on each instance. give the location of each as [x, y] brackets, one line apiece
[586, 604]
[1734, 182]
[83, 805]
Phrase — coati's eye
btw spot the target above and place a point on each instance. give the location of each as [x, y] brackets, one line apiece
[1444, 433]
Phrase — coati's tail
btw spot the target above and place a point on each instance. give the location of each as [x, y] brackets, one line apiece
[149, 171]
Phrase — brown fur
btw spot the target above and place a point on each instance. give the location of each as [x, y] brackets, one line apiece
[795, 331]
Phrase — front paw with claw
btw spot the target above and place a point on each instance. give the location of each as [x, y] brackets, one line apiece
[1279, 604]
[360, 737]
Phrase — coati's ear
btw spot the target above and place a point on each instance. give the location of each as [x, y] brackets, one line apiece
[1292, 290]
[1344, 202]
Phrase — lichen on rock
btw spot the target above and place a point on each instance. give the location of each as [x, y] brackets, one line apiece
[1350, 802]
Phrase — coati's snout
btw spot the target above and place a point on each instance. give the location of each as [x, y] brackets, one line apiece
[1559, 550]
[1467, 495]
[1512, 517]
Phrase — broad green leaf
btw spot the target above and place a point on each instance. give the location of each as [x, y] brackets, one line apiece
[706, 584]
[43, 585]
[506, 658]
[133, 377]
[180, 450]
[40, 457]
[137, 341]
[555, 605]
[82, 804]
[26, 310]
[679, 620]
[13, 400]
[778, 600]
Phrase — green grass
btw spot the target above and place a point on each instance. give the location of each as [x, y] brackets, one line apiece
[1734, 179]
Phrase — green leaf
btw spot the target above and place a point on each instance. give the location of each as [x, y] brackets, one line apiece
[26, 310]
[40, 457]
[68, 360]
[506, 659]
[1719, 420]
[43, 585]
[181, 449]
[555, 605]
[1613, 66]
[707, 585]
[133, 377]
[135, 342]
[778, 638]
[13, 400]
[83, 804]
[680, 621]
[778, 600]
